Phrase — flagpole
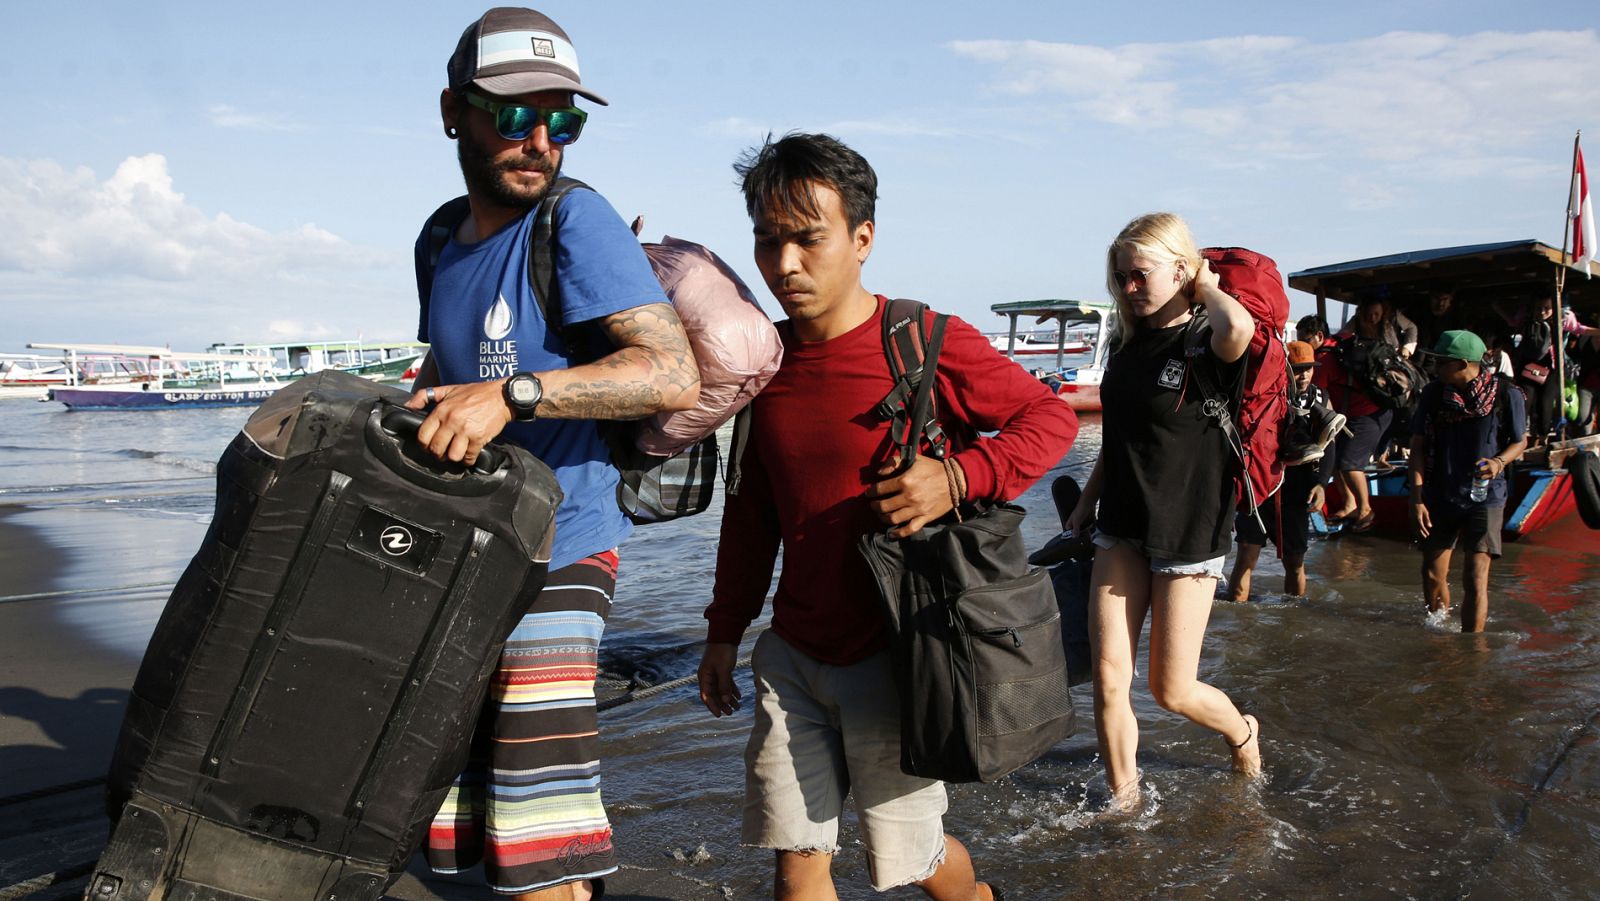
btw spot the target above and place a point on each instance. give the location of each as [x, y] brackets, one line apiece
[1558, 316]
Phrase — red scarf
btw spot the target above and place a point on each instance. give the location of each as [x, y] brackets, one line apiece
[1473, 401]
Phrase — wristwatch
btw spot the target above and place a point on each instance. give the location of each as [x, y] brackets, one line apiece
[523, 392]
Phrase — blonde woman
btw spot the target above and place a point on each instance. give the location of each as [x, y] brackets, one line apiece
[1163, 486]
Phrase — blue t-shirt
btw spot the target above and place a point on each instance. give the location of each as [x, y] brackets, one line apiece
[483, 323]
[1456, 448]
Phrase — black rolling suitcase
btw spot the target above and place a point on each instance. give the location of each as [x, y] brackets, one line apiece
[310, 690]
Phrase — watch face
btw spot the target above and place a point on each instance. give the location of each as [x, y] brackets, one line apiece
[524, 390]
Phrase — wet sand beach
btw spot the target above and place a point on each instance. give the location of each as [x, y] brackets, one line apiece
[1402, 758]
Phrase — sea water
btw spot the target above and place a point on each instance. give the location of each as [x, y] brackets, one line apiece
[1402, 758]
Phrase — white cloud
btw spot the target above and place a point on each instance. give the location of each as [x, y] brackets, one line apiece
[225, 116]
[135, 223]
[1481, 103]
[130, 259]
[299, 330]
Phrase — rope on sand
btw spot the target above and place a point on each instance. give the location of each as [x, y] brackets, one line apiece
[1513, 830]
[639, 694]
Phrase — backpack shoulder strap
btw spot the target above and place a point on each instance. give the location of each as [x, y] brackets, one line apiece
[435, 235]
[542, 251]
[733, 476]
[912, 352]
[1502, 408]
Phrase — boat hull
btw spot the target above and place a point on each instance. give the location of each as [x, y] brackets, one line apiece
[1536, 500]
[161, 399]
[1081, 398]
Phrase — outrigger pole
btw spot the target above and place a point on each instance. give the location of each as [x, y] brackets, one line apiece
[1558, 335]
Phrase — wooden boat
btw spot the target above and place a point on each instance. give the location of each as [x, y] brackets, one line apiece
[1541, 497]
[1078, 385]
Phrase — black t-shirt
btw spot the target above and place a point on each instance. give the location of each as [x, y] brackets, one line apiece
[1166, 470]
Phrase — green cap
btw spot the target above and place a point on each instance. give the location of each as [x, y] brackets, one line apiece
[1460, 344]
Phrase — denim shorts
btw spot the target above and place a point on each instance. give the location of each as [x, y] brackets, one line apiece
[824, 731]
[1209, 568]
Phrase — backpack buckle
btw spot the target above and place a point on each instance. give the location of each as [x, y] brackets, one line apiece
[894, 401]
[1214, 408]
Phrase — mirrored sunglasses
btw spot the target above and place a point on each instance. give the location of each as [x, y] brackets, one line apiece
[1139, 276]
[515, 121]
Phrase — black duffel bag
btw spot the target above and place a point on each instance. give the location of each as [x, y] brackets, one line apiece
[975, 632]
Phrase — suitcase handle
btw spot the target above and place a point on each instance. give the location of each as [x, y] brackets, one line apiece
[403, 422]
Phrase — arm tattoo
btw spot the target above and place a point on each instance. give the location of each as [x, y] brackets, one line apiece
[652, 369]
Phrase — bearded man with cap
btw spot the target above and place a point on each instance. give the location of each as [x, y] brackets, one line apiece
[529, 805]
[1470, 424]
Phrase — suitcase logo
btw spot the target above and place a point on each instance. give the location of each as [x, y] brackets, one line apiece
[396, 540]
[393, 541]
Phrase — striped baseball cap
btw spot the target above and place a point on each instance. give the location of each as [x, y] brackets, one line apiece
[511, 50]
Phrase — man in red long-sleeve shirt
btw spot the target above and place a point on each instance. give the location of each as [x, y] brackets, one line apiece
[817, 477]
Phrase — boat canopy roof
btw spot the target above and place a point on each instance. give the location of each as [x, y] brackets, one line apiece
[124, 350]
[163, 353]
[1508, 270]
[1063, 310]
[330, 345]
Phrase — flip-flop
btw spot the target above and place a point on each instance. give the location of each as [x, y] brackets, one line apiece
[1364, 523]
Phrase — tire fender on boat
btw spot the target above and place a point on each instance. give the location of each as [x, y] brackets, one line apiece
[1585, 471]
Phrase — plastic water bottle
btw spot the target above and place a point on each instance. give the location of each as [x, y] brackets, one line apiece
[1480, 485]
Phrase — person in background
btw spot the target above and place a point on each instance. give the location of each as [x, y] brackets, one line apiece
[1163, 486]
[1535, 360]
[1584, 344]
[1313, 331]
[1469, 427]
[529, 803]
[1367, 421]
[1393, 327]
[816, 480]
[1439, 316]
[1285, 518]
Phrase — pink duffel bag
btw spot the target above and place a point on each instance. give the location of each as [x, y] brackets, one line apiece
[734, 342]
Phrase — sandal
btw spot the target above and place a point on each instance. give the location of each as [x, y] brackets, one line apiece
[1364, 523]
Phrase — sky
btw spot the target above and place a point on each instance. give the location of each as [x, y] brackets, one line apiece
[182, 173]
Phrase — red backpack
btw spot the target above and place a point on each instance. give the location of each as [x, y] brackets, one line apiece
[1252, 418]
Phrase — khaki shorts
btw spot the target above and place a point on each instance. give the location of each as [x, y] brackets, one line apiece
[822, 732]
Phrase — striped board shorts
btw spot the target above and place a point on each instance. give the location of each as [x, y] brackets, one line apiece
[528, 804]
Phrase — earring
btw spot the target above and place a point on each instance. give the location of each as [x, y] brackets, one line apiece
[450, 132]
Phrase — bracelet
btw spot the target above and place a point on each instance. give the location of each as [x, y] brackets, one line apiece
[953, 480]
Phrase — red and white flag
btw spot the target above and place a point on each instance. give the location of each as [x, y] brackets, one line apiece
[1584, 246]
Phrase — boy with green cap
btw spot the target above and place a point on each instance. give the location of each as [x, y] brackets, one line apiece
[1469, 426]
